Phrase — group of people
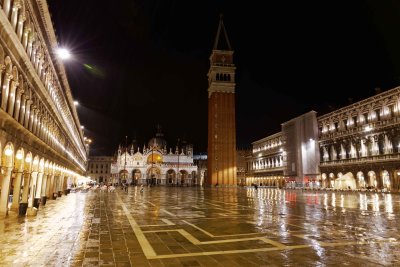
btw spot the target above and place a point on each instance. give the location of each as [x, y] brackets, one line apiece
[125, 187]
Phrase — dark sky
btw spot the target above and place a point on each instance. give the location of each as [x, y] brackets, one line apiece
[140, 63]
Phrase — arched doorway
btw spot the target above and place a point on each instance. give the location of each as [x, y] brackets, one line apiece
[331, 180]
[123, 176]
[171, 176]
[183, 177]
[372, 179]
[324, 180]
[386, 180]
[136, 175]
[361, 180]
[153, 176]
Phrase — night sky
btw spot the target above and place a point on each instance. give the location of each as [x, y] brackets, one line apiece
[142, 63]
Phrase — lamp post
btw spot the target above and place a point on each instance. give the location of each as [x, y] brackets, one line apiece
[177, 175]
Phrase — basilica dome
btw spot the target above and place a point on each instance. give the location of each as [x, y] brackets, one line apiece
[158, 140]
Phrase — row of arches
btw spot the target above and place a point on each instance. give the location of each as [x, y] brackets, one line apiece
[20, 99]
[27, 176]
[271, 181]
[223, 77]
[383, 179]
[153, 175]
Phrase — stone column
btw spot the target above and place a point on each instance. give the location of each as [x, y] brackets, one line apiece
[50, 183]
[33, 184]
[17, 190]
[5, 90]
[44, 186]
[5, 190]
[20, 27]
[17, 105]
[27, 113]
[54, 186]
[12, 96]
[6, 7]
[14, 14]
[25, 191]
[39, 185]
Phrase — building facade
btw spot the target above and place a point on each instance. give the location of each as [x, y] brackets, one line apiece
[155, 164]
[99, 169]
[42, 147]
[266, 163]
[354, 147]
[362, 141]
[221, 113]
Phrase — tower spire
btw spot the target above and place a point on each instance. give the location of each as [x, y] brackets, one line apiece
[221, 113]
[221, 26]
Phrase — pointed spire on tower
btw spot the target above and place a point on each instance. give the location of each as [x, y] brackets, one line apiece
[217, 43]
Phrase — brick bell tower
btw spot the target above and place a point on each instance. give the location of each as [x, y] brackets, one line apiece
[221, 112]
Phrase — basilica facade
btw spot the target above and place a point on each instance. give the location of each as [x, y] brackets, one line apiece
[155, 164]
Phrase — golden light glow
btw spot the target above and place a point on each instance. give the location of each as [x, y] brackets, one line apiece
[8, 151]
[19, 155]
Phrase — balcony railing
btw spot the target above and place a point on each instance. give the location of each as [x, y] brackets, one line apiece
[369, 159]
[374, 126]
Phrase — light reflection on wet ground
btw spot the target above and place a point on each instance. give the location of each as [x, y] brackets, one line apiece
[179, 226]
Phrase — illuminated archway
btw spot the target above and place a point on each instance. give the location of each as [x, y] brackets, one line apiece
[171, 176]
[361, 179]
[386, 179]
[153, 176]
[372, 179]
[136, 175]
[183, 176]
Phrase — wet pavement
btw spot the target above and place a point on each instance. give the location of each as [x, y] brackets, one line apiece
[188, 226]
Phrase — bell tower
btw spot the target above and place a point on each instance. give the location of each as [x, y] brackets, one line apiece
[221, 112]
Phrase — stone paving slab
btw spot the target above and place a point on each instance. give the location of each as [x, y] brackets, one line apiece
[173, 226]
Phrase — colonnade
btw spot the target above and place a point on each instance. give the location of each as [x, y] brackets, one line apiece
[32, 94]
[29, 178]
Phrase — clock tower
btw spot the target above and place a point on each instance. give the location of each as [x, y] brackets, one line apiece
[221, 112]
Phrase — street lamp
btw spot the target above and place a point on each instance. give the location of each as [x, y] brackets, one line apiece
[63, 53]
[76, 103]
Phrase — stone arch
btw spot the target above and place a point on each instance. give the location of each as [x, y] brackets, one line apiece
[170, 176]
[35, 164]
[361, 179]
[331, 179]
[325, 181]
[184, 175]
[153, 175]
[28, 162]
[7, 159]
[372, 179]
[19, 159]
[136, 176]
[386, 180]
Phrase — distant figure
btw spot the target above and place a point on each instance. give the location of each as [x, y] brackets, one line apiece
[141, 188]
[126, 187]
[255, 186]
